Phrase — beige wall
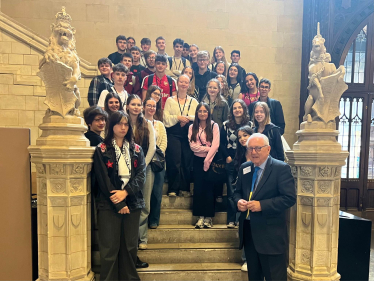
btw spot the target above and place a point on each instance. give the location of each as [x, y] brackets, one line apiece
[268, 33]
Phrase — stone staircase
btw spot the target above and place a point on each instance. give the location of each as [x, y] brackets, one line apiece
[178, 251]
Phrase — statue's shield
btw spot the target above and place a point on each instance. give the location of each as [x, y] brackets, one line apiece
[58, 97]
[332, 88]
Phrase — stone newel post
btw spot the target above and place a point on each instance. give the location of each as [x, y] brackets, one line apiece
[63, 159]
[316, 162]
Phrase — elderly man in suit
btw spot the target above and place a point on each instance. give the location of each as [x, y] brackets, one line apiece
[265, 189]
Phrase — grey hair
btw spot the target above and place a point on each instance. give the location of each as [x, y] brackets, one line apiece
[258, 135]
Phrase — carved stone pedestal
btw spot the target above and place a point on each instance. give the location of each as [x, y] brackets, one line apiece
[316, 163]
[63, 161]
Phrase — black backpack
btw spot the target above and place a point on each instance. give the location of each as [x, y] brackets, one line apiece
[170, 81]
[171, 61]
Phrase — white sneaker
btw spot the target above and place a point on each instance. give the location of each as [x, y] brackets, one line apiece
[208, 223]
[244, 267]
[200, 223]
[172, 194]
[231, 225]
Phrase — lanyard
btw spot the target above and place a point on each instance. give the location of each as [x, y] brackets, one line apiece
[182, 110]
[199, 135]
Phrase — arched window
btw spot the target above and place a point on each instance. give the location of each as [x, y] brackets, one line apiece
[356, 120]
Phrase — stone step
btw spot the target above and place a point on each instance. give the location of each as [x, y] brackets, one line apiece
[192, 271]
[176, 202]
[174, 253]
[165, 189]
[186, 253]
[184, 216]
[188, 234]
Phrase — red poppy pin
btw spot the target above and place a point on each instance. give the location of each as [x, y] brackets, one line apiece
[109, 164]
[103, 147]
[135, 70]
[135, 163]
[137, 148]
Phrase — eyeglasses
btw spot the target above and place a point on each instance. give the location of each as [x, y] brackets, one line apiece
[202, 111]
[265, 87]
[150, 106]
[256, 148]
[201, 60]
[99, 119]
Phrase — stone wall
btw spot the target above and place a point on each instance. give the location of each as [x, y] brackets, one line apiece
[267, 32]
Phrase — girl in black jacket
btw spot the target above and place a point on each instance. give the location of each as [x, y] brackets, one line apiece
[263, 125]
[118, 177]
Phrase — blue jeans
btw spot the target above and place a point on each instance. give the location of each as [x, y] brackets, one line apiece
[156, 197]
[231, 206]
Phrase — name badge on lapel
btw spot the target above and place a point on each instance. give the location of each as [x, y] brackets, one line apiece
[247, 170]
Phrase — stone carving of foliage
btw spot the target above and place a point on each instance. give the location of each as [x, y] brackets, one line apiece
[75, 186]
[324, 171]
[308, 201]
[323, 202]
[294, 171]
[324, 187]
[338, 172]
[307, 186]
[43, 186]
[306, 171]
[305, 257]
[76, 201]
[57, 201]
[58, 186]
[57, 169]
[78, 169]
[40, 169]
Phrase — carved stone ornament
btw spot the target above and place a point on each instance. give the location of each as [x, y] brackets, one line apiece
[305, 257]
[58, 220]
[40, 169]
[59, 69]
[57, 169]
[76, 201]
[338, 172]
[57, 201]
[43, 186]
[323, 187]
[306, 171]
[76, 219]
[322, 219]
[78, 169]
[336, 186]
[323, 202]
[294, 171]
[326, 84]
[306, 218]
[76, 186]
[307, 186]
[324, 172]
[307, 201]
[58, 186]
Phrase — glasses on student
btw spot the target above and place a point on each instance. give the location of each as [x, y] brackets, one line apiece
[265, 87]
[202, 111]
[150, 106]
[99, 119]
[201, 60]
[256, 148]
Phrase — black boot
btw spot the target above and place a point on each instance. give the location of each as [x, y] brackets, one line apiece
[141, 264]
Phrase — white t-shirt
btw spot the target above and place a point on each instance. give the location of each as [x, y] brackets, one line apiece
[122, 95]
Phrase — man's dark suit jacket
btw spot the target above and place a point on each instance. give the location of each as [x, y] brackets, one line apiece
[276, 192]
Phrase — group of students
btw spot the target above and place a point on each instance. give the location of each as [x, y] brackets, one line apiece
[193, 121]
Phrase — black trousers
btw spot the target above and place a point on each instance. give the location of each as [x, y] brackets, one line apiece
[203, 192]
[118, 242]
[178, 163]
[272, 267]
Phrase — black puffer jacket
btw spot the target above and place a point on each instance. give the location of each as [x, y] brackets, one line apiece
[275, 141]
[105, 178]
